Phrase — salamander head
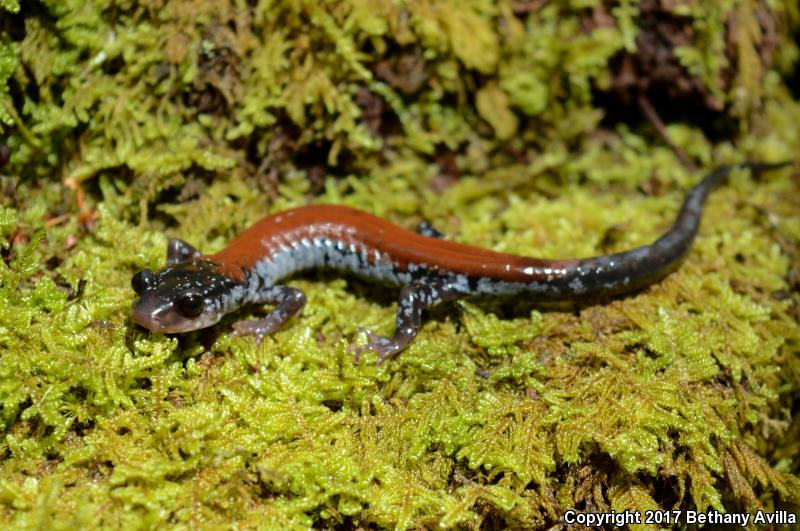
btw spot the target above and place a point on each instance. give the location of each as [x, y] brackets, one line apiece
[182, 297]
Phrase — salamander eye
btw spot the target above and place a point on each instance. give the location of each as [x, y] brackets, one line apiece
[143, 280]
[190, 305]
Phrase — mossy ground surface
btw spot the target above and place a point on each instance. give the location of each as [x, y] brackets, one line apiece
[129, 123]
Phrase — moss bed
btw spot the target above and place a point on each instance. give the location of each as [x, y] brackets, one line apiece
[511, 125]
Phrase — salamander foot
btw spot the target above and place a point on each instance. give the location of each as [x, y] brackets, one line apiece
[385, 347]
[259, 329]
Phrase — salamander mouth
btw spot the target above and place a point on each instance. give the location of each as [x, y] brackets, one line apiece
[163, 320]
[142, 316]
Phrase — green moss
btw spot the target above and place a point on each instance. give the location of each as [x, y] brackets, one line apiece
[129, 123]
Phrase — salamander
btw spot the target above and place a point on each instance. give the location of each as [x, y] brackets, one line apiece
[195, 290]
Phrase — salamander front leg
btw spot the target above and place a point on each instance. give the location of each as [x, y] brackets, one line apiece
[288, 301]
[414, 298]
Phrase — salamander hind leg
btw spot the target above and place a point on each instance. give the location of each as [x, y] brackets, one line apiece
[426, 229]
[414, 298]
[288, 301]
[179, 251]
